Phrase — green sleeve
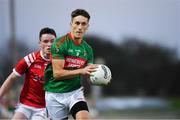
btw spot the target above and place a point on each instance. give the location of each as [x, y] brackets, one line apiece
[57, 51]
[91, 56]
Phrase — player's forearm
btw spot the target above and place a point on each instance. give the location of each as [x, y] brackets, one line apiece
[65, 74]
[7, 84]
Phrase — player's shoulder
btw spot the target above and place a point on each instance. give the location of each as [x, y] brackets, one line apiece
[86, 44]
[60, 40]
[33, 55]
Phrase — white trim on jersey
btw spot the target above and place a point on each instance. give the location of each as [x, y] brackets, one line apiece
[41, 53]
[16, 72]
[33, 55]
[27, 60]
[30, 59]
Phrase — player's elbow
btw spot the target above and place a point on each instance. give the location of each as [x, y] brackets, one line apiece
[57, 75]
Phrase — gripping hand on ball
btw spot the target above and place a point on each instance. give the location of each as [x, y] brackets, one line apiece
[88, 69]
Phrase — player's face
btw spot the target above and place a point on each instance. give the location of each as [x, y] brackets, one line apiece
[79, 26]
[46, 42]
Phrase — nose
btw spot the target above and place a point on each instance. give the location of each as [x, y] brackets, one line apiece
[80, 26]
[49, 44]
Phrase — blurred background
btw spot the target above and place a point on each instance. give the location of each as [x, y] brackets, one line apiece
[137, 39]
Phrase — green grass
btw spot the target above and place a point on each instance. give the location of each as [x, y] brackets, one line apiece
[175, 102]
[170, 112]
[141, 114]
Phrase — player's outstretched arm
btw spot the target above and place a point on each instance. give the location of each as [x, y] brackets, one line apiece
[7, 84]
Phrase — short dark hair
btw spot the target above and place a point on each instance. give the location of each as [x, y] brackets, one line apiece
[46, 30]
[81, 12]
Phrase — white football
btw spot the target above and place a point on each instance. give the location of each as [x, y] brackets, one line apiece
[102, 75]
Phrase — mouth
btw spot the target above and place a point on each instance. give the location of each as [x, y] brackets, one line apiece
[79, 32]
[48, 49]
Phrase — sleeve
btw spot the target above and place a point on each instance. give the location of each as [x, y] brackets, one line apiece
[91, 56]
[57, 51]
[24, 64]
[21, 67]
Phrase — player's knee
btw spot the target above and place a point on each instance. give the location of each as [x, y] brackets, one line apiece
[80, 109]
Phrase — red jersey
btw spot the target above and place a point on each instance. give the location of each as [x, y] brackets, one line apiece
[33, 66]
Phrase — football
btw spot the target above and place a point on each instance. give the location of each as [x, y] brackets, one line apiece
[102, 75]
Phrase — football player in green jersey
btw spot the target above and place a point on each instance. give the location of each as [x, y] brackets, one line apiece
[72, 57]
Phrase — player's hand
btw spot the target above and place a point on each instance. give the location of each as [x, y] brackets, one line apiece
[88, 69]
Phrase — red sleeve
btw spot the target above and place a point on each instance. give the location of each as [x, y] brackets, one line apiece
[21, 67]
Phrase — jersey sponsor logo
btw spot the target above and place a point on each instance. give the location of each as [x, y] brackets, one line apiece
[37, 66]
[38, 78]
[74, 62]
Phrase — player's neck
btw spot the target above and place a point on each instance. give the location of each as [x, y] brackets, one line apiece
[76, 40]
[45, 56]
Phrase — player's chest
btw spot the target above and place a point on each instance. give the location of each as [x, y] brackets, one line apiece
[78, 52]
[38, 67]
[75, 58]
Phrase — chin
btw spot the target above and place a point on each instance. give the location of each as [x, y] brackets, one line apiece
[48, 53]
[77, 37]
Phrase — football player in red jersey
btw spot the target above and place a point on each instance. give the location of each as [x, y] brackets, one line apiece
[32, 97]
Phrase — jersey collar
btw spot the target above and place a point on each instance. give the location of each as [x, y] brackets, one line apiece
[41, 54]
[72, 38]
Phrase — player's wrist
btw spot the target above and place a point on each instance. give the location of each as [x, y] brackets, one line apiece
[80, 71]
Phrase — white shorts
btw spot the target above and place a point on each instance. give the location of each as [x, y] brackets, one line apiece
[31, 112]
[60, 104]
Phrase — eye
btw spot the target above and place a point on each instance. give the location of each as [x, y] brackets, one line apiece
[83, 23]
[45, 41]
[52, 40]
[77, 23]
